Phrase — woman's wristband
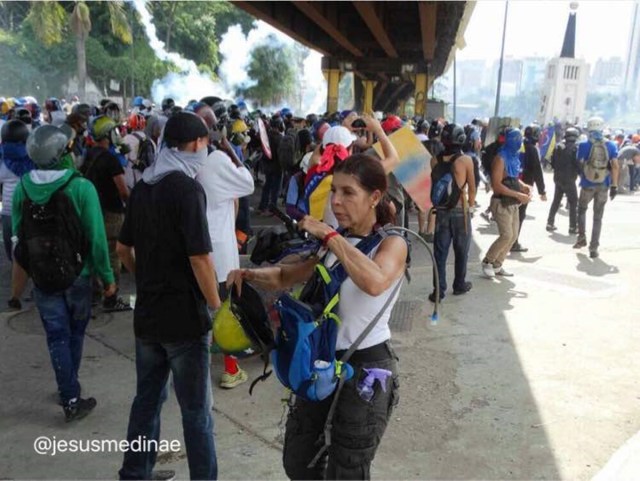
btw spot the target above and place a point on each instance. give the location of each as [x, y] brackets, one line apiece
[328, 237]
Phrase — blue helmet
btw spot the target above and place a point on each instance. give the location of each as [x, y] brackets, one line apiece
[286, 112]
[137, 101]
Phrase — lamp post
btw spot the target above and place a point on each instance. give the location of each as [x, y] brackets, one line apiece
[504, 33]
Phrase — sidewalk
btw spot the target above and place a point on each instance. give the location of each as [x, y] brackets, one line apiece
[532, 377]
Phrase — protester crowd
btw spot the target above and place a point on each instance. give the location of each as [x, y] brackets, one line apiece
[164, 192]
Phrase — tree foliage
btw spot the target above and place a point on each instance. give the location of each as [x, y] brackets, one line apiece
[272, 67]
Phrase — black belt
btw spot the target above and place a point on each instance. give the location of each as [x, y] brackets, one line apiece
[378, 352]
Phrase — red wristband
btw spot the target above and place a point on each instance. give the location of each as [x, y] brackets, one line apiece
[328, 237]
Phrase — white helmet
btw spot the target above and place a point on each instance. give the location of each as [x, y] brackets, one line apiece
[595, 124]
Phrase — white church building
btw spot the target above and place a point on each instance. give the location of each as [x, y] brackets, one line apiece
[565, 88]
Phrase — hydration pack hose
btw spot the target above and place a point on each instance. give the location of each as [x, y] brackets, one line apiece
[434, 315]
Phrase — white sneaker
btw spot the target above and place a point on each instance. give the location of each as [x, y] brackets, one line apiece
[503, 273]
[487, 270]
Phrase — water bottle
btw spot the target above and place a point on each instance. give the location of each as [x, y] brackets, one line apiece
[365, 388]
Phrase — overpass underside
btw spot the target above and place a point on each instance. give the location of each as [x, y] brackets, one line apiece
[395, 49]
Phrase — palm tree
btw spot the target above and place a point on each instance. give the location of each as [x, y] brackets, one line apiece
[49, 19]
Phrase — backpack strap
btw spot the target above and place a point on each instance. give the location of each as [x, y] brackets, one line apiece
[328, 425]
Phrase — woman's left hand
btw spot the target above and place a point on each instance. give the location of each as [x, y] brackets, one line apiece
[315, 227]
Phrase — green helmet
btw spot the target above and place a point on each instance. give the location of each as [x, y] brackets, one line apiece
[241, 326]
[102, 127]
[46, 144]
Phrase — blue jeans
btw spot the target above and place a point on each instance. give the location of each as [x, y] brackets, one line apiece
[634, 176]
[452, 228]
[189, 363]
[65, 316]
[270, 189]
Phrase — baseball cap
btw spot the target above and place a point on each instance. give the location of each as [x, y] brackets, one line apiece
[337, 135]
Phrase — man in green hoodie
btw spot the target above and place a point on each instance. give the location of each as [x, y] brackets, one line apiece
[64, 313]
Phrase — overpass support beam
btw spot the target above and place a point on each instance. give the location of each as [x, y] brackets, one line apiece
[420, 94]
[368, 85]
[333, 76]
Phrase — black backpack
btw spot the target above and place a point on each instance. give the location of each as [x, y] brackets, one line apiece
[445, 192]
[52, 244]
[146, 153]
[288, 150]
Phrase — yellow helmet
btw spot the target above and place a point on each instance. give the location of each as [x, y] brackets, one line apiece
[241, 325]
[239, 126]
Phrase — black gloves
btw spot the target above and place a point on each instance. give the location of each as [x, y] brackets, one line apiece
[613, 191]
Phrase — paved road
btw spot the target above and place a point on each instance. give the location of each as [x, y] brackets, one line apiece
[531, 377]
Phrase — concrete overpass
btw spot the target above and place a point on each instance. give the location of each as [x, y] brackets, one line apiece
[395, 49]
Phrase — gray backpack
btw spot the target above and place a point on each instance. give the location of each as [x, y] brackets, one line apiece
[596, 168]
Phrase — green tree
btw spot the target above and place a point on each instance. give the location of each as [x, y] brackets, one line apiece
[195, 29]
[272, 67]
[49, 19]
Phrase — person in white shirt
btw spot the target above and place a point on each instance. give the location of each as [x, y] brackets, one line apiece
[358, 187]
[224, 179]
[136, 124]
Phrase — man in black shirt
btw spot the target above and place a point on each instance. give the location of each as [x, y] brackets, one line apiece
[566, 169]
[165, 242]
[104, 169]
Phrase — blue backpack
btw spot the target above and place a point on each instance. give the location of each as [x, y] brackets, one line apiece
[445, 192]
[304, 357]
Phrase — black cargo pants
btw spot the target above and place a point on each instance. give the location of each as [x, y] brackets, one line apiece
[358, 425]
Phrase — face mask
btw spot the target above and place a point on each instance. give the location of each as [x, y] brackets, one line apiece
[114, 137]
[595, 136]
[513, 141]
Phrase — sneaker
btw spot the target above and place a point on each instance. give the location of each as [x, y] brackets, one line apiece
[78, 408]
[465, 288]
[487, 270]
[115, 304]
[551, 228]
[593, 253]
[573, 230]
[503, 273]
[518, 248]
[432, 297]
[163, 475]
[229, 381]
[581, 242]
[428, 237]
[485, 216]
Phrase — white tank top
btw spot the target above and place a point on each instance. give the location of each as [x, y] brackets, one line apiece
[357, 309]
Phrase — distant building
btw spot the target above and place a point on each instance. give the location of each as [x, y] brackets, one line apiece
[565, 89]
[533, 73]
[608, 72]
[471, 76]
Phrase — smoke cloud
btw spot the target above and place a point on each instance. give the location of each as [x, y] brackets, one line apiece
[182, 87]
[235, 50]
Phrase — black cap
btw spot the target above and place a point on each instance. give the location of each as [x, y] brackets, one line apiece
[184, 127]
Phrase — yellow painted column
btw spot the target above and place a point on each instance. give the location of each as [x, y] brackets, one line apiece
[333, 83]
[402, 107]
[420, 94]
[368, 85]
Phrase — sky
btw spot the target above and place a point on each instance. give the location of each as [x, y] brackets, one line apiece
[536, 27]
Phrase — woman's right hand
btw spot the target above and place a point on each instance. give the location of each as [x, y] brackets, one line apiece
[235, 278]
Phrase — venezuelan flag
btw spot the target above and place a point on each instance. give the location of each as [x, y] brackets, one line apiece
[547, 142]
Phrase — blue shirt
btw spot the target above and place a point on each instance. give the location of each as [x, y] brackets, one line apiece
[584, 149]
